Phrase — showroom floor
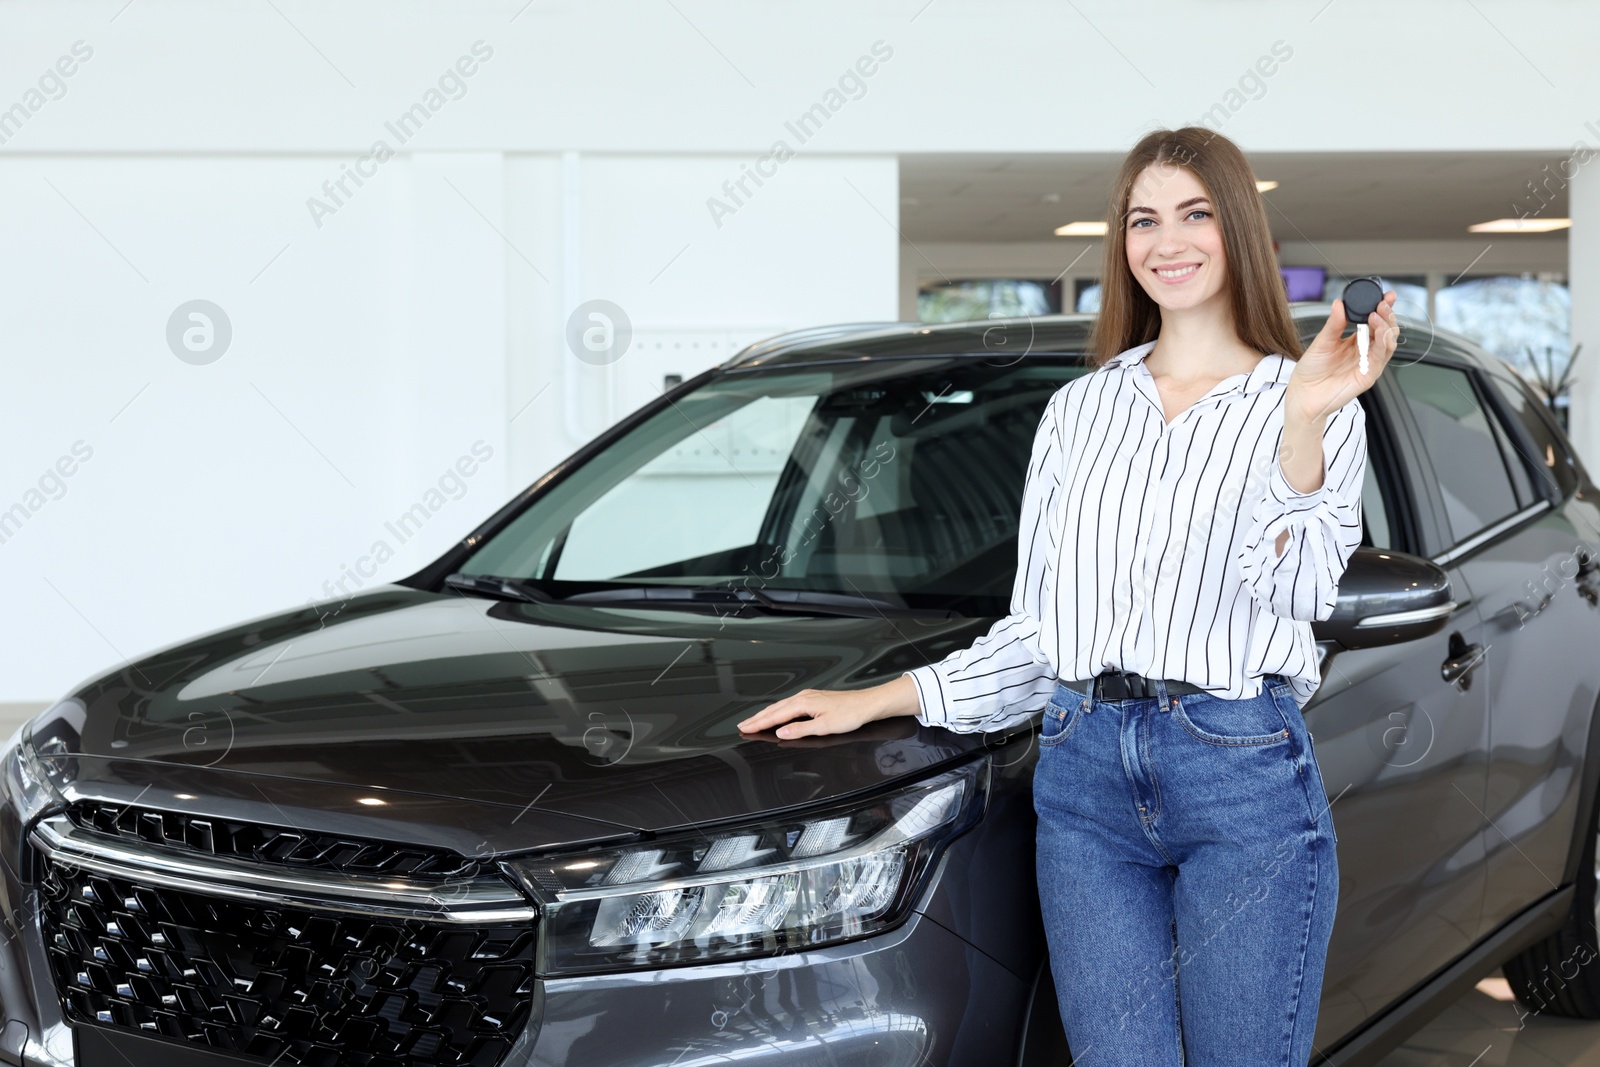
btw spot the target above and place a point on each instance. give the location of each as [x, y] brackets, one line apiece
[1482, 1029]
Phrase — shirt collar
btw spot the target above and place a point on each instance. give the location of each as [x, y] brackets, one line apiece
[1273, 369]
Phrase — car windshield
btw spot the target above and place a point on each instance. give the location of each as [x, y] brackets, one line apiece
[898, 480]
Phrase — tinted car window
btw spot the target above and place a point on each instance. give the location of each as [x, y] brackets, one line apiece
[1376, 530]
[900, 479]
[1544, 455]
[1467, 459]
[1516, 466]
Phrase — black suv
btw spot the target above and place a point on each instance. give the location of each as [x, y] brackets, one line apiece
[500, 812]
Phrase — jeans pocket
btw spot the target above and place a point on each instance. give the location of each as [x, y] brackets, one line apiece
[1061, 715]
[1247, 722]
[1316, 790]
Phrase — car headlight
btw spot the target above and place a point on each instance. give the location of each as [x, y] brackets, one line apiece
[36, 761]
[760, 889]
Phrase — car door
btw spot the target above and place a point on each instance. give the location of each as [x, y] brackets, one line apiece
[1402, 755]
[1527, 564]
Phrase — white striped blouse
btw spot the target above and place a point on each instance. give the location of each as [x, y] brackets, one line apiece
[1164, 541]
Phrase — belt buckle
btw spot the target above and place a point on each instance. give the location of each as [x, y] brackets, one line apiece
[1123, 685]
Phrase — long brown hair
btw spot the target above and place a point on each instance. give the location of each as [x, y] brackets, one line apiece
[1128, 317]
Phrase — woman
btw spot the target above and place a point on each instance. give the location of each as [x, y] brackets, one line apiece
[1190, 505]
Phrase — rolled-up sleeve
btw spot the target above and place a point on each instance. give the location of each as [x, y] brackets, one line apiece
[1324, 525]
[1005, 677]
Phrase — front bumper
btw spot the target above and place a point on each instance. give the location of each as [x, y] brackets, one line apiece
[919, 994]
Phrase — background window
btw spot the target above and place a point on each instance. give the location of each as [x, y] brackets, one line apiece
[1520, 319]
[987, 298]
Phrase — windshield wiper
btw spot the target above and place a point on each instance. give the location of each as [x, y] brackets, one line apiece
[669, 597]
[779, 601]
[506, 588]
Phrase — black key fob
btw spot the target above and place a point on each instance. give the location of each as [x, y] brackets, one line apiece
[1361, 298]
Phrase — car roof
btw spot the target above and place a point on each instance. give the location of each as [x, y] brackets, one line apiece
[1042, 334]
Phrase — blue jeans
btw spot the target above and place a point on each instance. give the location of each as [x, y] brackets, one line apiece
[1187, 871]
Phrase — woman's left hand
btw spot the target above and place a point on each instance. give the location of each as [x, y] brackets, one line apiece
[1328, 375]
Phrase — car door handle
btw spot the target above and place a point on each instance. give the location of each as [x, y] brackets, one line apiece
[1517, 613]
[1462, 659]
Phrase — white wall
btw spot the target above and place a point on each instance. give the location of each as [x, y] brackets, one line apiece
[220, 490]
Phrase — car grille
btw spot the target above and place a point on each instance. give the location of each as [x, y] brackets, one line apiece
[288, 984]
[304, 849]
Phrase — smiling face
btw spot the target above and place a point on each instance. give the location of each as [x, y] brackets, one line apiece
[1173, 240]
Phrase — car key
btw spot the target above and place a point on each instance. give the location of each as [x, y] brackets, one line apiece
[1361, 298]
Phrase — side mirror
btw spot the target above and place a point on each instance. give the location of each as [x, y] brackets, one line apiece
[1386, 597]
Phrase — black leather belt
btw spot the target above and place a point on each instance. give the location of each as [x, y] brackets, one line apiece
[1127, 685]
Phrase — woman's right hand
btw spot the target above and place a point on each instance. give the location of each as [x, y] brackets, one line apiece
[834, 711]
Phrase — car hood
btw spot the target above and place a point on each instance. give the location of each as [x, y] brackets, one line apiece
[502, 724]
